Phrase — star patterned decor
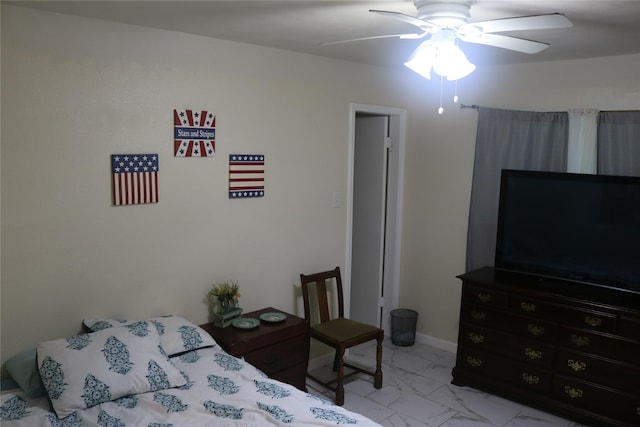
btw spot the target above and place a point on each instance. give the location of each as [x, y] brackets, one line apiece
[194, 133]
[246, 175]
[134, 179]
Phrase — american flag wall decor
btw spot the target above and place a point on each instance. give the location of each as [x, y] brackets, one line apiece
[134, 178]
[194, 133]
[246, 175]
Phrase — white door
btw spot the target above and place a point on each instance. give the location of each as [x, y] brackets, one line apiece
[369, 218]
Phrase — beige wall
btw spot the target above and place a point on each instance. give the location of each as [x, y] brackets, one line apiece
[75, 91]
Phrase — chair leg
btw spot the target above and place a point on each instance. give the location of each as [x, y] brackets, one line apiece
[335, 361]
[339, 362]
[377, 377]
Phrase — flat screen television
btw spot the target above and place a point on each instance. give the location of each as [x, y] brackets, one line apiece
[577, 227]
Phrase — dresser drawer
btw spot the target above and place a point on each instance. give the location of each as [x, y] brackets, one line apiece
[295, 375]
[630, 327]
[484, 296]
[590, 319]
[507, 345]
[598, 399]
[484, 316]
[613, 373]
[280, 356]
[606, 345]
[583, 318]
[519, 325]
[504, 370]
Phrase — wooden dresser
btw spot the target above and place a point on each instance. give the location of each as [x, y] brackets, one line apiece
[566, 348]
[280, 350]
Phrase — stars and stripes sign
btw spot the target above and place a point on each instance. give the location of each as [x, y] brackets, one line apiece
[135, 178]
[194, 133]
[246, 175]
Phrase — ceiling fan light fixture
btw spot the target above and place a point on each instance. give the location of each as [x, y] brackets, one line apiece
[444, 57]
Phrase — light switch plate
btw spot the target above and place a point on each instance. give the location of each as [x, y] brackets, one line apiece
[337, 200]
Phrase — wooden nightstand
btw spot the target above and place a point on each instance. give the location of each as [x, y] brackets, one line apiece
[280, 350]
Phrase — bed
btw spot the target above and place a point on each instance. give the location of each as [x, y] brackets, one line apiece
[157, 372]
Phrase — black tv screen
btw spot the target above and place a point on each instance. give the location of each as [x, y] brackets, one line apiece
[578, 227]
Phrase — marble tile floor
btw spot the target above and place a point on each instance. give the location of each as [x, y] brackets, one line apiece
[417, 392]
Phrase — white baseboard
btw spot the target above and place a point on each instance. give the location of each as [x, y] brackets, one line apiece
[439, 343]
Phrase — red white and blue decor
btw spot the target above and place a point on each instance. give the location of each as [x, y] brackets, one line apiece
[194, 133]
[134, 179]
[246, 175]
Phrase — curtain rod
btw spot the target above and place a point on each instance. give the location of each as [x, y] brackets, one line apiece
[477, 108]
[474, 106]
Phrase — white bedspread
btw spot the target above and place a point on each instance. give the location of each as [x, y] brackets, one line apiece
[221, 391]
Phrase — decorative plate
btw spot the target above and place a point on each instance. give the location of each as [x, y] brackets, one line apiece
[273, 317]
[245, 323]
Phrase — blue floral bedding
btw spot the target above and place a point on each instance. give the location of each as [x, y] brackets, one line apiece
[221, 390]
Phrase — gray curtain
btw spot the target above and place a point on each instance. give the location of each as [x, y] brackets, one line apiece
[508, 139]
[619, 143]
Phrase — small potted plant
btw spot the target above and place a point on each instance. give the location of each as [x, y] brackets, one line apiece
[227, 294]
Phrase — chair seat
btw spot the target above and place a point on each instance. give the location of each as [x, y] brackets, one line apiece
[344, 330]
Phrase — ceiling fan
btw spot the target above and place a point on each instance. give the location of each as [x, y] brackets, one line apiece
[445, 22]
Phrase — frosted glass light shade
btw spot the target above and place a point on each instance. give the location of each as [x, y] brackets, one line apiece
[422, 59]
[445, 58]
[452, 63]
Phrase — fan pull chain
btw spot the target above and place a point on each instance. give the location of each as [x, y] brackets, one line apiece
[455, 93]
[441, 110]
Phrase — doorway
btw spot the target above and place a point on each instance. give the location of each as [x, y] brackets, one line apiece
[374, 202]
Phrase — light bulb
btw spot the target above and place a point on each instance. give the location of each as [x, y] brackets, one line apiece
[451, 62]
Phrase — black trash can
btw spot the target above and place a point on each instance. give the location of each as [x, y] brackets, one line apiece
[403, 326]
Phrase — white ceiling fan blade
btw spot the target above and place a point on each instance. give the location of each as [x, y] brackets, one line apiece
[507, 42]
[400, 36]
[423, 25]
[536, 22]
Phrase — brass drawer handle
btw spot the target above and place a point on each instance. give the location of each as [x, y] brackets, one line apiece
[533, 354]
[593, 321]
[528, 307]
[580, 341]
[478, 315]
[476, 338]
[530, 379]
[484, 297]
[576, 365]
[574, 393]
[536, 330]
[476, 363]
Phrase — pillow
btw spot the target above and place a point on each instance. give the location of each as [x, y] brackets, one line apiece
[85, 370]
[23, 369]
[177, 335]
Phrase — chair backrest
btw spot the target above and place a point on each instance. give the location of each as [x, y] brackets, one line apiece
[320, 280]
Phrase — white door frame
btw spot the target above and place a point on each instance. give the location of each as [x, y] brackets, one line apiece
[397, 129]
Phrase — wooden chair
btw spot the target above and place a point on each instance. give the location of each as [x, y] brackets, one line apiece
[339, 333]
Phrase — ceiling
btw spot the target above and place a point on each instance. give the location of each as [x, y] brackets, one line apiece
[600, 28]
